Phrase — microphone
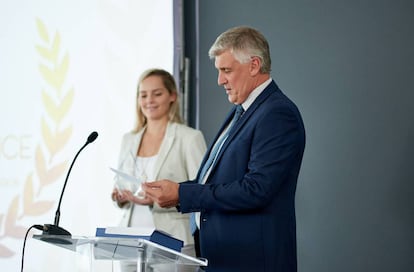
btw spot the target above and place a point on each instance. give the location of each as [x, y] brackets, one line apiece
[49, 229]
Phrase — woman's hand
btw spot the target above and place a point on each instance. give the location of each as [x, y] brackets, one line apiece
[137, 199]
[122, 197]
[119, 197]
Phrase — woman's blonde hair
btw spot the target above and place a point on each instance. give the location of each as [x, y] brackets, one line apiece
[169, 84]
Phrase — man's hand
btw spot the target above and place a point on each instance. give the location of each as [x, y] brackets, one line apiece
[164, 192]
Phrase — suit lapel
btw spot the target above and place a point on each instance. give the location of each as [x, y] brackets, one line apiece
[271, 88]
[253, 107]
[223, 126]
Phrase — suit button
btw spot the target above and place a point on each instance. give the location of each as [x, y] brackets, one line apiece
[204, 220]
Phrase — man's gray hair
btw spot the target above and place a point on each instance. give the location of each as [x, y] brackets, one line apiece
[244, 43]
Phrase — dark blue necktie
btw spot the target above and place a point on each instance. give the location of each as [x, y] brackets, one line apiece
[213, 155]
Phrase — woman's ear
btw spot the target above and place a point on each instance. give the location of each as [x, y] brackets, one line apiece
[173, 97]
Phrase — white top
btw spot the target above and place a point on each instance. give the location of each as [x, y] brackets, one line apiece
[144, 168]
[179, 157]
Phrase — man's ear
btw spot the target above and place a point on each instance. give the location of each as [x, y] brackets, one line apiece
[255, 64]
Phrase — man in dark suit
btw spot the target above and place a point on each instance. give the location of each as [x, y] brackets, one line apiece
[244, 201]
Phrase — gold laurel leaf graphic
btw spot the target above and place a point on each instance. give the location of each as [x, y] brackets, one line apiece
[55, 142]
[48, 75]
[28, 194]
[50, 106]
[62, 138]
[47, 175]
[54, 74]
[11, 216]
[54, 173]
[55, 49]
[58, 110]
[16, 231]
[41, 28]
[30, 207]
[61, 70]
[44, 52]
[5, 252]
[48, 136]
[40, 165]
[64, 106]
[39, 208]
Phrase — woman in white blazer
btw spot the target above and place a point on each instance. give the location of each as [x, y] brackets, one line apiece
[160, 147]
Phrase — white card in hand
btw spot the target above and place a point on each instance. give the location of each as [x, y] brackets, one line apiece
[125, 176]
[125, 181]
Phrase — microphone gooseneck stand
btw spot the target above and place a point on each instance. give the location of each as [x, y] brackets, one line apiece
[51, 232]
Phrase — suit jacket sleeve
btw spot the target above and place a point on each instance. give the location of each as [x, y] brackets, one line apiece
[265, 154]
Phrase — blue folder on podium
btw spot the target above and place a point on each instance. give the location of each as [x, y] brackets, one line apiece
[157, 236]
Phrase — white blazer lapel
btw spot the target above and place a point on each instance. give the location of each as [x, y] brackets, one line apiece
[165, 147]
[130, 151]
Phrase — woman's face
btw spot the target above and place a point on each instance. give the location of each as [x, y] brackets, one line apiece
[154, 99]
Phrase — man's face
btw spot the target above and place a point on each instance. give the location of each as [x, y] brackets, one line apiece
[237, 78]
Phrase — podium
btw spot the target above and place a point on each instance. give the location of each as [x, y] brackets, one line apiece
[146, 255]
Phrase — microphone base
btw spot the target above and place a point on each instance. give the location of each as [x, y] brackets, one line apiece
[56, 231]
